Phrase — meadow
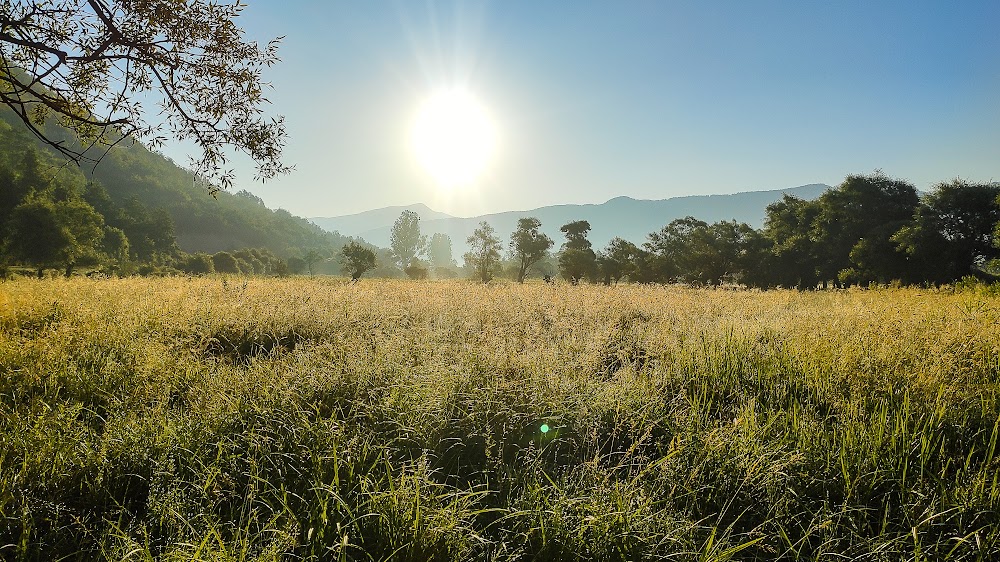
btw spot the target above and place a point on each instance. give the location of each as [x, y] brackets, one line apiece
[232, 419]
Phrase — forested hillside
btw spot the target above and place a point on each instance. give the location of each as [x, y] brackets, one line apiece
[158, 208]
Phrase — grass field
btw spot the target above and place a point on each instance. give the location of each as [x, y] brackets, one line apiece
[311, 419]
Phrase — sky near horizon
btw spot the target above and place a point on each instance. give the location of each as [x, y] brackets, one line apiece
[649, 99]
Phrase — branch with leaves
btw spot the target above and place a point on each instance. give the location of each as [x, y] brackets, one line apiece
[91, 64]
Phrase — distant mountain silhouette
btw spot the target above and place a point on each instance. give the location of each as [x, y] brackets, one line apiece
[376, 219]
[631, 219]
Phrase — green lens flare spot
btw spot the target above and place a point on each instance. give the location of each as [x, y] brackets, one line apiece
[544, 428]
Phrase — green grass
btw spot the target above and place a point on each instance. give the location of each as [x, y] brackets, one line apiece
[251, 419]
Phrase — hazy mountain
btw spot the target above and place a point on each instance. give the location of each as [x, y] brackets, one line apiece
[629, 218]
[377, 218]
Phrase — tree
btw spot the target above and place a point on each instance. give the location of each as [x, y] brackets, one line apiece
[296, 265]
[618, 260]
[439, 251]
[577, 260]
[198, 264]
[528, 245]
[311, 258]
[115, 248]
[952, 232]
[405, 239]
[357, 259]
[787, 225]
[576, 235]
[224, 262]
[483, 256]
[856, 209]
[48, 233]
[91, 65]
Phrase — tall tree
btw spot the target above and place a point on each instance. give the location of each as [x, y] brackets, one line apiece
[528, 245]
[577, 261]
[576, 235]
[483, 256]
[405, 239]
[439, 251]
[93, 65]
[787, 225]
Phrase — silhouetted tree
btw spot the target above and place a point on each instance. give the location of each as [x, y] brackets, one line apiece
[528, 246]
[577, 261]
[357, 259]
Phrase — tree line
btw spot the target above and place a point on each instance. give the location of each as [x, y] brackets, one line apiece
[869, 229]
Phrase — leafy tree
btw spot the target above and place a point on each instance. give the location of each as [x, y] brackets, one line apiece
[677, 247]
[577, 260]
[856, 209]
[483, 256]
[93, 64]
[357, 259]
[528, 246]
[405, 239]
[115, 248]
[440, 251]
[576, 235]
[36, 235]
[197, 264]
[47, 233]
[952, 232]
[695, 251]
[787, 226]
[618, 260]
[224, 262]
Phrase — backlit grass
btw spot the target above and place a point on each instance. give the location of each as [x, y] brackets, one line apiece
[311, 419]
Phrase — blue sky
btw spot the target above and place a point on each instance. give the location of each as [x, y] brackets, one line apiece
[652, 100]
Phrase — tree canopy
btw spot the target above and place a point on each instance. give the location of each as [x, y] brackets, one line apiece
[528, 245]
[405, 239]
[91, 64]
[483, 256]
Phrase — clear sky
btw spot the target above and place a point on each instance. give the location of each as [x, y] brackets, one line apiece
[650, 99]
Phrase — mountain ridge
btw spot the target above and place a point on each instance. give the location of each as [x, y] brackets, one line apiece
[622, 216]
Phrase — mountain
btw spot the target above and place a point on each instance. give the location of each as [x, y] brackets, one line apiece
[631, 219]
[386, 216]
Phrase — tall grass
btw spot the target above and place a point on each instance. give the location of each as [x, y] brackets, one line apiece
[252, 419]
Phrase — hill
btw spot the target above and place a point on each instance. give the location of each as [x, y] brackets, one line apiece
[631, 219]
[138, 179]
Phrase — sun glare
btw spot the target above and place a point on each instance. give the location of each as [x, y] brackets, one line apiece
[453, 138]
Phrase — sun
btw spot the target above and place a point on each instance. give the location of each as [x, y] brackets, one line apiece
[453, 138]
